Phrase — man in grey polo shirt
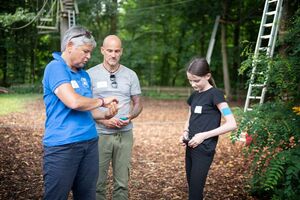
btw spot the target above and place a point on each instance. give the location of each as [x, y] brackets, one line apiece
[110, 78]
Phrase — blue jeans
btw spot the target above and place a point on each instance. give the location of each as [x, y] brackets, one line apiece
[71, 167]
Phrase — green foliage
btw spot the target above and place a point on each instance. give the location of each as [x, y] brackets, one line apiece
[290, 182]
[248, 53]
[274, 126]
[291, 46]
[275, 131]
[159, 37]
[281, 73]
[283, 70]
[27, 88]
[281, 179]
[283, 83]
[20, 15]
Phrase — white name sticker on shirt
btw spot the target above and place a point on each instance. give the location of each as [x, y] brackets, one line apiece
[74, 84]
[102, 84]
[198, 109]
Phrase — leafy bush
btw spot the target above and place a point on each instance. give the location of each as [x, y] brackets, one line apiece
[274, 127]
[27, 88]
[275, 132]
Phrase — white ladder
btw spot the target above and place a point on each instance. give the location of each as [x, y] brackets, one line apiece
[265, 44]
[69, 9]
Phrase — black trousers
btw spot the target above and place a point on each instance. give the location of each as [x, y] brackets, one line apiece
[198, 161]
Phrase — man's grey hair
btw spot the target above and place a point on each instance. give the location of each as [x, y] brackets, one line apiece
[78, 36]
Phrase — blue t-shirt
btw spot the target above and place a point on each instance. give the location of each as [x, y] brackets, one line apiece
[64, 125]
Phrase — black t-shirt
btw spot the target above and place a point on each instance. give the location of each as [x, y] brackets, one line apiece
[205, 114]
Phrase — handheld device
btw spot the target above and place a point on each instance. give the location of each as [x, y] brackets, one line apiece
[186, 140]
[124, 118]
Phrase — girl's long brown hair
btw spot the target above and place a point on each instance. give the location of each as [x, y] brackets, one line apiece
[200, 67]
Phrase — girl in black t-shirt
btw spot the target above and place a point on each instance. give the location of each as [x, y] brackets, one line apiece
[203, 126]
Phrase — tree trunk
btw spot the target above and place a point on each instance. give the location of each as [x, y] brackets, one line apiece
[164, 70]
[179, 68]
[4, 65]
[289, 8]
[113, 18]
[33, 61]
[224, 52]
[236, 51]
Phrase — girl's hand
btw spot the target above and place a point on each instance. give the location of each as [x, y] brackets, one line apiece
[197, 139]
[183, 139]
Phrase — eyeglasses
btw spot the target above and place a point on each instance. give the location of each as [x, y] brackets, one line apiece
[87, 34]
[113, 83]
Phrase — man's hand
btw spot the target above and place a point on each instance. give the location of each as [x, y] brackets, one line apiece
[114, 122]
[107, 101]
[112, 109]
[124, 121]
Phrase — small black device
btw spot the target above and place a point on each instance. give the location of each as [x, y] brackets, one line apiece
[186, 140]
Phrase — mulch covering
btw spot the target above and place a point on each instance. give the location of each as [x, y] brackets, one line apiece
[157, 162]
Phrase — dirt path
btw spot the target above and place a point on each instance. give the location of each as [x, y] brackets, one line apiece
[157, 163]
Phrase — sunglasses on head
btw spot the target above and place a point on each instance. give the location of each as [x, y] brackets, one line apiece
[113, 83]
[87, 34]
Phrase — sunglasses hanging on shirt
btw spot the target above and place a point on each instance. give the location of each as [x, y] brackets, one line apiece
[113, 82]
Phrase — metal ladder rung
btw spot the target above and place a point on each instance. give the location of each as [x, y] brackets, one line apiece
[272, 1]
[254, 97]
[46, 19]
[47, 27]
[268, 25]
[47, 32]
[263, 48]
[271, 13]
[265, 37]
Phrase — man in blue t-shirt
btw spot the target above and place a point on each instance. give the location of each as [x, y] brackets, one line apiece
[70, 139]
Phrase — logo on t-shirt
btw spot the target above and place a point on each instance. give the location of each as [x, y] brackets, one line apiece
[84, 83]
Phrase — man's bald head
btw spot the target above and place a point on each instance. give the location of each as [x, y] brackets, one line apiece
[112, 39]
[111, 51]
